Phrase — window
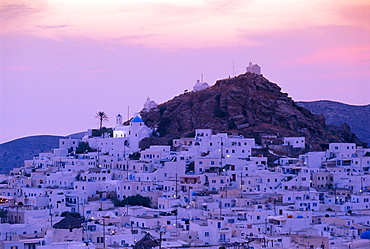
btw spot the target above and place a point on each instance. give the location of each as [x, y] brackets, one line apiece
[206, 234]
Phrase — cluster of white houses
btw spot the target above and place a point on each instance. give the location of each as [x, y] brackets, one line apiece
[207, 190]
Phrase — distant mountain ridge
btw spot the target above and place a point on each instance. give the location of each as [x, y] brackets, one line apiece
[336, 113]
[13, 153]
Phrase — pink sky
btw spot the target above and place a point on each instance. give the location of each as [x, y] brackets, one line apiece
[62, 61]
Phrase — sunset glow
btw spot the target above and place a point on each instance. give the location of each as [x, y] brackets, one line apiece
[172, 24]
[312, 49]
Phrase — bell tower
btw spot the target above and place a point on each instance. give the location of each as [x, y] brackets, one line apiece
[118, 120]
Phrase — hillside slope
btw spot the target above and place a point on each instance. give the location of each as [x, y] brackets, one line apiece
[248, 104]
[336, 113]
[13, 153]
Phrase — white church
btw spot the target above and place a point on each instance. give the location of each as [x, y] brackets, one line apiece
[149, 104]
[253, 68]
[125, 140]
[200, 85]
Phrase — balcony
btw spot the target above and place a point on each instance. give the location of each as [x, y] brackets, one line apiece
[224, 240]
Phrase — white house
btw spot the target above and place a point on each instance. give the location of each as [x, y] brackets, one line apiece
[296, 142]
[341, 150]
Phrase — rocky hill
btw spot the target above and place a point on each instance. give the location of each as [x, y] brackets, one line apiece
[248, 104]
[357, 117]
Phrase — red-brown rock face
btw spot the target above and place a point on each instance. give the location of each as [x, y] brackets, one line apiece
[248, 104]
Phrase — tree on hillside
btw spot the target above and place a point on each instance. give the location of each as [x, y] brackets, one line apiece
[3, 215]
[103, 117]
[73, 214]
[137, 200]
[84, 147]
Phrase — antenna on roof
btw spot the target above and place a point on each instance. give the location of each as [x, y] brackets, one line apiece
[128, 112]
[233, 69]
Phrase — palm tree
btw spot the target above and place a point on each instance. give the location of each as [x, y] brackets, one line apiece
[102, 118]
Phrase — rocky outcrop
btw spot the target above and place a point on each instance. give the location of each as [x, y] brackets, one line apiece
[248, 104]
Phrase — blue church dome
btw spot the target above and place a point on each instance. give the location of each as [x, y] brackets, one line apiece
[137, 119]
[365, 235]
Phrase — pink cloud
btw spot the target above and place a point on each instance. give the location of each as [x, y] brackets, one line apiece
[54, 26]
[353, 75]
[353, 54]
[357, 14]
[15, 12]
[96, 71]
[19, 68]
[11, 9]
